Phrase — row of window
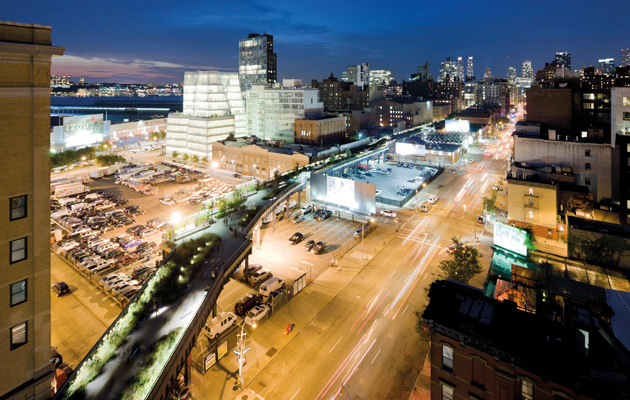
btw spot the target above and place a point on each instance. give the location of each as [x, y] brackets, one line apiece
[18, 291]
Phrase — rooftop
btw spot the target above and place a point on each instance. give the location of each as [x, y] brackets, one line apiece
[547, 347]
[282, 148]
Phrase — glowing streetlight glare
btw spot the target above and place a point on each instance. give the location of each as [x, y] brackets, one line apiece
[176, 217]
[214, 164]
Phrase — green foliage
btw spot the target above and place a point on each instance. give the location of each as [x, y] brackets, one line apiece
[488, 202]
[530, 239]
[601, 250]
[109, 159]
[72, 156]
[175, 154]
[195, 158]
[462, 264]
[204, 159]
[249, 216]
[348, 153]
[185, 157]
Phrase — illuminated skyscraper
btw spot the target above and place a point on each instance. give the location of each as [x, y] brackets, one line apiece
[527, 69]
[447, 69]
[358, 74]
[625, 57]
[607, 65]
[460, 69]
[256, 61]
[425, 70]
[563, 60]
[511, 75]
[470, 69]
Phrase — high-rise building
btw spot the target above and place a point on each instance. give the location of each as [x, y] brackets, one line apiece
[563, 60]
[606, 65]
[60, 81]
[257, 62]
[460, 69]
[470, 69]
[25, 54]
[527, 69]
[214, 108]
[448, 70]
[488, 74]
[625, 57]
[424, 71]
[358, 74]
[380, 77]
[82, 80]
[511, 75]
[271, 112]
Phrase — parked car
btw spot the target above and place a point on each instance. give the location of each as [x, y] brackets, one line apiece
[306, 209]
[260, 276]
[318, 248]
[60, 288]
[247, 303]
[296, 238]
[256, 314]
[298, 218]
[309, 245]
[167, 201]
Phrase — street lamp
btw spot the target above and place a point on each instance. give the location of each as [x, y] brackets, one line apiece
[254, 174]
[214, 165]
[241, 354]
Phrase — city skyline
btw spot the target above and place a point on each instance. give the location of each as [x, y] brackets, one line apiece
[160, 43]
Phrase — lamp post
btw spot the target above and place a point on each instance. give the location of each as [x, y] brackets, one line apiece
[241, 353]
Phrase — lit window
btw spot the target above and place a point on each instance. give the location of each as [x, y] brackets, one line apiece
[531, 191]
[530, 214]
[18, 293]
[18, 335]
[447, 357]
[447, 392]
[626, 101]
[18, 207]
[18, 250]
[527, 390]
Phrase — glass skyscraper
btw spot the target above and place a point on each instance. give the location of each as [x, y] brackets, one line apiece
[256, 61]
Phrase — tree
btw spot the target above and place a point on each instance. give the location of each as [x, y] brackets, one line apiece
[462, 264]
[175, 154]
[109, 159]
[276, 176]
[530, 239]
[348, 153]
[195, 158]
[488, 203]
[204, 159]
[185, 157]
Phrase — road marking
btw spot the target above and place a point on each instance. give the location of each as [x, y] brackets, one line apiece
[379, 352]
[296, 393]
[403, 313]
[390, 277]
[307, 263]
[335, 345]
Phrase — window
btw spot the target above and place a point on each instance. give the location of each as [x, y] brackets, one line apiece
[626, 116]
[18, 207]
[587, 166]
[587, 153]
[18, 293]
[587, 181]
[626, 101]
[531, 191]
[530, 214]
[447, 358]
[527, 390]
[549, 232]
[18, 250]
[447, 392]
[589, 106]
[588, 96]
[18, 335]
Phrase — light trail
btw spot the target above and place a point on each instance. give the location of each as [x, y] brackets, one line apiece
[340, 369]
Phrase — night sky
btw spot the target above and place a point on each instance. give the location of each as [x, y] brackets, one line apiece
[156, 41]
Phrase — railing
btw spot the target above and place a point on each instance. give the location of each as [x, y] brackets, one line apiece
[280, 198]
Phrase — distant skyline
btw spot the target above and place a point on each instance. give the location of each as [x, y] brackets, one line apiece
[156, 42]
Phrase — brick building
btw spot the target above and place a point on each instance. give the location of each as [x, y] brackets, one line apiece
[341, 96]
[317, 131]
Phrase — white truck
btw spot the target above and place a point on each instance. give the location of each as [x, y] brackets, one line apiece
[64, 182]
[71, 190]
[102, 172]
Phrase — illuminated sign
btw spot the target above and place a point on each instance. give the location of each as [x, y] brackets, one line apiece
[210, 360]
[510, 238]
[222, 350]
[344, 192]
[80, 130]
[410, 149]
[457, 125]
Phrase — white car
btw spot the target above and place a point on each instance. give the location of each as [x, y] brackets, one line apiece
[388, 213]
[306, 209]
[167, 201]
[256, 314]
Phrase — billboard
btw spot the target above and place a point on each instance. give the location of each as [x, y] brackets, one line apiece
[345, 193]
[410, 149]
[82, 130]
[457, 125]
[510, 238]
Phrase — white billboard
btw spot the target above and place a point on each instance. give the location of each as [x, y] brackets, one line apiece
[82, 130]
[510, 238]
[410, 149]
[457, 125]
[359, 196]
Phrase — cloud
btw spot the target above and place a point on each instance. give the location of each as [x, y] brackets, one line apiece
[134, 70]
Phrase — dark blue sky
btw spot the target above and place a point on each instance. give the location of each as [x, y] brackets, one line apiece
[156, 41]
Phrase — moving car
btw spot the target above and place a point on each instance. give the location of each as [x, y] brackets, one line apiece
[60, 288]
[388, 213]
[296, 238]
[167, 201]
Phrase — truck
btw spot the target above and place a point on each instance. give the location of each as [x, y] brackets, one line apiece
[64, 182]
[71, 190]
[102, 172]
